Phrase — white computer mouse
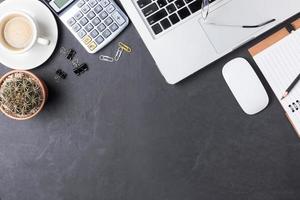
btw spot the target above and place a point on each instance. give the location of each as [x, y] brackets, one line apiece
[245, 86]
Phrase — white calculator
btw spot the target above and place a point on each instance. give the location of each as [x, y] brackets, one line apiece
[93, 22]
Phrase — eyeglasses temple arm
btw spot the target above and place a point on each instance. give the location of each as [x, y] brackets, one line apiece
[259, 25]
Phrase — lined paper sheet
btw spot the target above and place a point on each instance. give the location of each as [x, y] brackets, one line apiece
[280, 65]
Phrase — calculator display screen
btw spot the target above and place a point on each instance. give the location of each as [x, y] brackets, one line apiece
[61, 3]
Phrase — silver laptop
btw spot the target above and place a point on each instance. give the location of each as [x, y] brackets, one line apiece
[182, 41]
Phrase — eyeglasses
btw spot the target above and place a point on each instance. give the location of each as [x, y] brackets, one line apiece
[205, 9]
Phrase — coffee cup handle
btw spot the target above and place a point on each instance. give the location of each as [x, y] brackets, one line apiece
[43, 41]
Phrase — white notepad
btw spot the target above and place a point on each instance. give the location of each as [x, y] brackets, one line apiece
[280, 65]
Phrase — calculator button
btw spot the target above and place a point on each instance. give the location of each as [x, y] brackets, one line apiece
[108, 21]
[92, 46]
[92, 3]
[103, 15]
[87, 39]
[71, 21]
[113, 27]
[96, 21]
[94, 33]
[91, 15]
[76, 27]
[110, 8]
[80, 3]
[83, 21]
[89, 27]
[106, 33]
[118, 17]
[98, 9]
[78, 15]
[105, 3]
[85, 9]
[99, 40]
[101, 27]
[81, 33]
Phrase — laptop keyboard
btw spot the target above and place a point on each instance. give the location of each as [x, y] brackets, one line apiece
[163, 14]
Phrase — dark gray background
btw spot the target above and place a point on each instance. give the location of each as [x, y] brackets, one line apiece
[120, 132]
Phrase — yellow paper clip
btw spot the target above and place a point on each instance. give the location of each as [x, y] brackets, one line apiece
[125, 47]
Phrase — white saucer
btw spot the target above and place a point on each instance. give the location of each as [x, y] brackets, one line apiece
[47, 28]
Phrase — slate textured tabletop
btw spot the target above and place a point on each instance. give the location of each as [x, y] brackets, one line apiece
[120, 132]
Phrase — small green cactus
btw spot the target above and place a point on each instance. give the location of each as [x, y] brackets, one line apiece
[20, 95]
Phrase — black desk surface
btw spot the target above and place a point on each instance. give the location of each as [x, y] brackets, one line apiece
[120, 132]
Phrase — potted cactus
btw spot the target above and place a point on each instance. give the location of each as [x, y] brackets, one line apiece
[22, 95]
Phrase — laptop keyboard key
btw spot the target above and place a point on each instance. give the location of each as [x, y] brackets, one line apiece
[150, 9]
[195, 6]
[184, 13]
[179, 3]
[165, 23]
[161, 3]
[157, 29]
[171, 8]
[174, 18]
[143, 3]
[157, 16]
[188, 1]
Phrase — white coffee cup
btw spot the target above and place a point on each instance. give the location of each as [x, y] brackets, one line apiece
[19, 33]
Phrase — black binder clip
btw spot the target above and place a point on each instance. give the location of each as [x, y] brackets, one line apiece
[60, 74]
[80, 69]
[70, 54]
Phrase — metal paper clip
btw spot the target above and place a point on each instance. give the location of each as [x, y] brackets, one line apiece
[119, 53]
[62, 50]
[60, 74]
[125, 47]
[81, 69]
[106, 58]
[75, 62]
